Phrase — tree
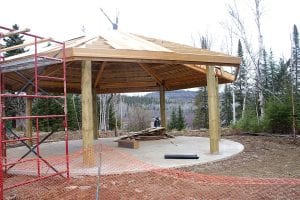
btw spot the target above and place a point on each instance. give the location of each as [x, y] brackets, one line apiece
[138, 119]
[12, 41]
[226, 114]
[72, 121]
[14, 106]
[48, 107]
[201, 111]
[295, 78]
[255, 56]
[173, 120]
[111, 118]
[240, 85]
[180, 120]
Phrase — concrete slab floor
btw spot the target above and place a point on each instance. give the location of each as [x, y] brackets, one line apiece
[115, 160]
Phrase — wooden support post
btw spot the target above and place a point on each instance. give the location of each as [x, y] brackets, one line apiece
[213, 110]
[87, 116]
[28, 112]
[162, 106]
[95, 114]
[218, 107]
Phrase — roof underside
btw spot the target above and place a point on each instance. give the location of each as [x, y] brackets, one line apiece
[121, 62]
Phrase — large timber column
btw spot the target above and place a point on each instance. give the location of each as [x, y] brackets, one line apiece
[87, 114]
[28, 112]
[162, 106]
[218, 107]
[213, 110]
[95, 114]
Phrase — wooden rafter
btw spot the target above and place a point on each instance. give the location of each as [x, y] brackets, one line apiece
[219, 71]
[151, 73]
[24, 45]
[99, 74]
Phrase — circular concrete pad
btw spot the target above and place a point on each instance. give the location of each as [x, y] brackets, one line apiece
[115, 160]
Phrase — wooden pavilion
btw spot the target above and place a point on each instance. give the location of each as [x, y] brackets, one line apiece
[119, 62]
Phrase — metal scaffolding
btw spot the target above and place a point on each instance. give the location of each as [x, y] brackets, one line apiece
[33, 62]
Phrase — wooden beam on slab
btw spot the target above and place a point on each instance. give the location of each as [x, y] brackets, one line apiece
[2, 35]
[100, 73]
[162, 106]
[218, 108]
[95, 114]
[24, 45]
[213, 111]
[28, 112]
[87, 116]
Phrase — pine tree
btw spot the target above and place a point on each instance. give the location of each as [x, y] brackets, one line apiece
[226, 114]
[72, 121]
[180, 120]
[173, 121]
[201, 111]
[48, 107]
[13, 106]
[12, 41]
[111, 118]
[240, 85]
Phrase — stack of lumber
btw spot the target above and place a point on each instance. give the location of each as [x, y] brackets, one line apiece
[147, 134]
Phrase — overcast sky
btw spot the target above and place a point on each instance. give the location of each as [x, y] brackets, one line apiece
[174, 20]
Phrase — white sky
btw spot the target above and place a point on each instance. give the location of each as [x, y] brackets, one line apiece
[174, 20]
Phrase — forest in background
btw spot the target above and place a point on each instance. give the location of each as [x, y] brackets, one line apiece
[265, 96]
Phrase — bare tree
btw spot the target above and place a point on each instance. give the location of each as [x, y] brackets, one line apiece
[138, 119]
[105, 100]
[255, 57]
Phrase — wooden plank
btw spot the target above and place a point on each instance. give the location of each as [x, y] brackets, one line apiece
[87, 116]
[99, 74]
[162, 101]
[24, 45]
[218, 108]
[213, 111]
[151, 137]
[2, 35]
[162, 57]
[95, 118]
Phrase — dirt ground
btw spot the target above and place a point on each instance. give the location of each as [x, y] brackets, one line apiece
[263, 157]
[244, 176]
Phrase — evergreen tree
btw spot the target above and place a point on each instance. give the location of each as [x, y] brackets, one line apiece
[12, 41]
[13, 106]
[72, 121]
[48, 107]
[296, 61]
[201, 111]
[240, 85]
[226, 109]
[180, 120]
[173, 121]
[111, 117]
